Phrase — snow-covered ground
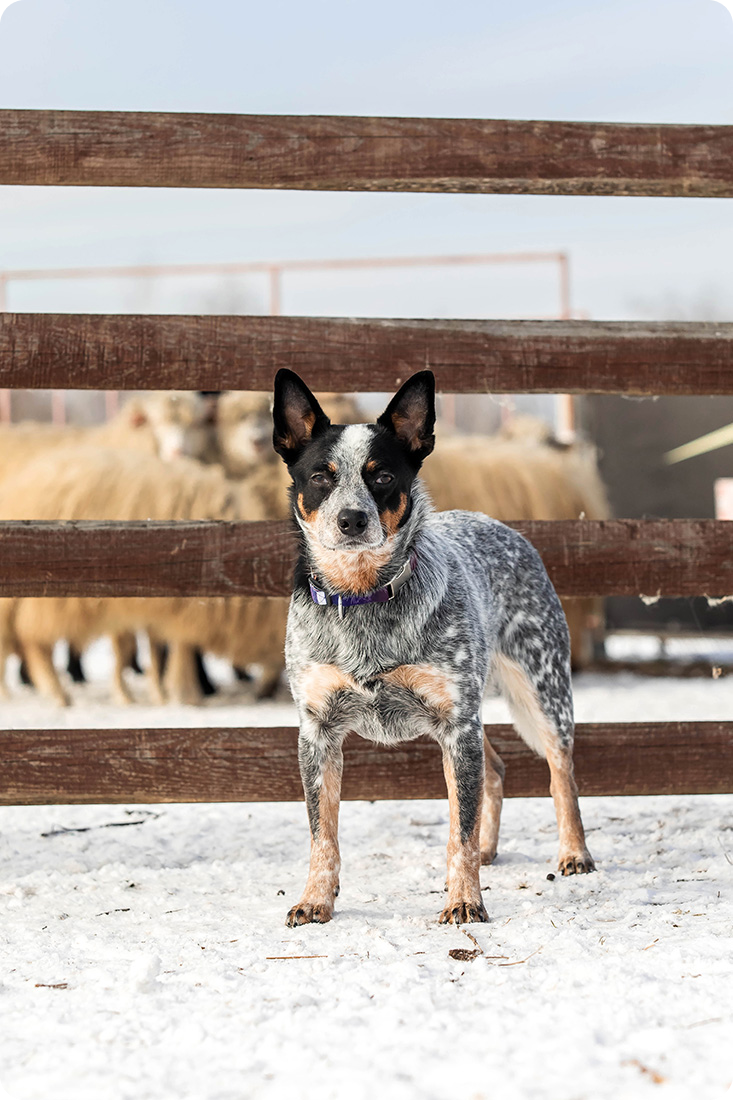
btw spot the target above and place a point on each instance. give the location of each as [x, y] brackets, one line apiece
[144, 954]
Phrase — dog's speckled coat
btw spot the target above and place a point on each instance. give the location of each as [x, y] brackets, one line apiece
[479, 603]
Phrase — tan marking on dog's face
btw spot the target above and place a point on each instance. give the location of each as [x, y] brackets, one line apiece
[391, 519]
[309, 517]
[371, 465]
[435, 687]
[354, 571]
[319, 682]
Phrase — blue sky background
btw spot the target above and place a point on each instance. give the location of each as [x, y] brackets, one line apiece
[645, 60]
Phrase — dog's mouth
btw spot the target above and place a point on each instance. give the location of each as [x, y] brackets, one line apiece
[354, 544]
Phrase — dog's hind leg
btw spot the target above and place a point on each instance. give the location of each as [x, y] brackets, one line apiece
[493, 797]
[321, 765]
[541, 708]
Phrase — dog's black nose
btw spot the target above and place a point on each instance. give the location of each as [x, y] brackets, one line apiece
[352, 522]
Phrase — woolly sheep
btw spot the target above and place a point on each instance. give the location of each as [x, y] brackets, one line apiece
[97, 484]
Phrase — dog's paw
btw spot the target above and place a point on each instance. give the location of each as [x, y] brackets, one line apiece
[579, 864]
[488, 855]
[306, 912]
[464, 912]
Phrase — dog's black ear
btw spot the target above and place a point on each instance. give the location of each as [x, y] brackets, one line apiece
[297, 416]
[410, 415]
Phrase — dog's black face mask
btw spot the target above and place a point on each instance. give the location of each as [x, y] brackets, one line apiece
[367, 469]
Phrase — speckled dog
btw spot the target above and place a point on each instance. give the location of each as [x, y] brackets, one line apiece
[398, 615]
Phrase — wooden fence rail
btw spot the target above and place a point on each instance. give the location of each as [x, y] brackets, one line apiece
[583, 558]
[98, 351]
[332, 153]
[260, 765]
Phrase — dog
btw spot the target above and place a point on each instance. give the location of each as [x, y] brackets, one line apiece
[398, 615]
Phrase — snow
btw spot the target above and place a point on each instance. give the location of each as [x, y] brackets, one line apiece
[144, 953]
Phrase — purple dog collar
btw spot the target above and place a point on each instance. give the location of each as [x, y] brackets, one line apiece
[380, 595]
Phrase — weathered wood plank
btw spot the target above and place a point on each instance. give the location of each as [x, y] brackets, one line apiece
[136, 149]
[260, 765]
[146, 559]
[583, 558]
[98, 351]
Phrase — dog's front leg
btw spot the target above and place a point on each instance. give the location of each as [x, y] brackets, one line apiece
[321, 764]
[463, 764]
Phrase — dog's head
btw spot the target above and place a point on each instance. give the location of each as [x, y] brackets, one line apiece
[352, 486]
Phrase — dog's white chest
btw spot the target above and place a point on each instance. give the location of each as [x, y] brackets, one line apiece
[397, 705]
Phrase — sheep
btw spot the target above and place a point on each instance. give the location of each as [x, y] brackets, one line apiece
[95, 483]
[244, 427]
[514, 481]
[509, 480]
[168, 423]
[180, 421]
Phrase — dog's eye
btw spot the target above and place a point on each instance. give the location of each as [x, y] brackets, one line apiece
[320, 480]
[383, 479]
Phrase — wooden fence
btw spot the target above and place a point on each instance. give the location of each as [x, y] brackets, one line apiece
[46, 351]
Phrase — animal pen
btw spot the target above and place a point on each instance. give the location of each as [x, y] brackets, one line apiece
[108, 352]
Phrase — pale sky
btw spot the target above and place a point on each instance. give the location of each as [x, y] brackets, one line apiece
[617, 60]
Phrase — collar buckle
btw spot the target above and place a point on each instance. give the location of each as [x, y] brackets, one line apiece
[401, 579]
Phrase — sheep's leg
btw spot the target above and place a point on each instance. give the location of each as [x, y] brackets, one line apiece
[269, 680]
[122, 650]
[74, 666]
[39, 659]
[205, 683]
[156, 668]
[181, 681]
[133, 661]
[7, 643]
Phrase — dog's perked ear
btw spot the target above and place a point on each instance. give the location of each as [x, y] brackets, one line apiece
[297, 416]
[410, 416]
